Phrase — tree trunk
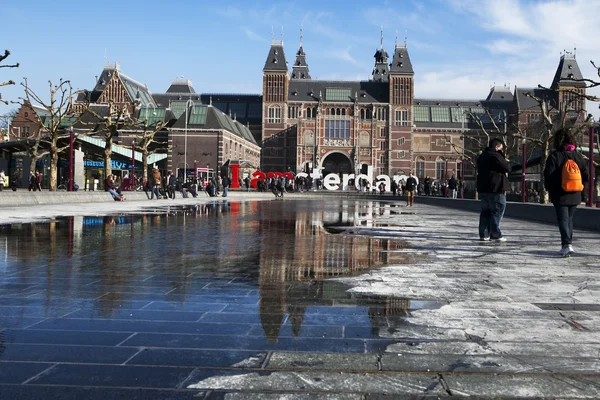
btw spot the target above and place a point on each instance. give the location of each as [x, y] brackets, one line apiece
[596, 185]
[32, 164]
[53, 169]
[107, 157]
[544, 197]
[144, 165]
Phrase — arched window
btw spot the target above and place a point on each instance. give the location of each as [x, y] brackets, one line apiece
[332, 111]
[343, 111]
[440, 169]
[420, 170]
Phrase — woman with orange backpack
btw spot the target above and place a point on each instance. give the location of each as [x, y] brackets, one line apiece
[564, 175]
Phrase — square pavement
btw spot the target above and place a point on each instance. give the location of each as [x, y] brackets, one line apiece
[445, 315]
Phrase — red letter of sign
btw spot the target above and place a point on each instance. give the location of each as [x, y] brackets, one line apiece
[288, 175]
[235, 176]
[258, 176]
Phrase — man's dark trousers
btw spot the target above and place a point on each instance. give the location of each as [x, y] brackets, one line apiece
[492, 211]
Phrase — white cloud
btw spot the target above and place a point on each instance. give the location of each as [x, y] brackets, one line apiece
[250, 34]
[533, 35]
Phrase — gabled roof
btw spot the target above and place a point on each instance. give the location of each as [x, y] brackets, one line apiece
[401, 61]
[526, 103]
[135, 89]
[367, 91]
[40, 111]
[567, 73]
[204, 116]
[276, 58]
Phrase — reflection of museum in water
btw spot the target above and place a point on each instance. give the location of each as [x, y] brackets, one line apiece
[290, 254]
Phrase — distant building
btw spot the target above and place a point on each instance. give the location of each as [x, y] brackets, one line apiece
[349, 126]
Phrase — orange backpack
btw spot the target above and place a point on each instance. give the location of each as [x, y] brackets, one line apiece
[571, 177]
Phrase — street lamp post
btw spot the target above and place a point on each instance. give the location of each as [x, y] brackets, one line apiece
[187, 107]
[132, 180]
[71, 157]
[590, 202]
[462, 179]
[524, 170]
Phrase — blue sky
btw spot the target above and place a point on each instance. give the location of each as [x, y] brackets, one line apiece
[459, 48]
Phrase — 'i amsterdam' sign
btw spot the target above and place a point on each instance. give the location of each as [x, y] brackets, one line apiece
[330, 181]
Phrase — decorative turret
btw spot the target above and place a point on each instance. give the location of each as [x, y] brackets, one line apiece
[401, 61]
[401, 76]
[300, 69]
[381, 70]
[568, 72]
[276, 58]
[569, 86]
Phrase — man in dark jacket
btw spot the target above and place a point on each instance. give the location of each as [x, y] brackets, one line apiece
[492, 184]
[564, 202]
[411, 185]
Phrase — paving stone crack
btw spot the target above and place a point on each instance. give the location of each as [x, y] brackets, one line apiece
[444, 384]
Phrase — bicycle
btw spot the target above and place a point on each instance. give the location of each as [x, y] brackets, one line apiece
[64, 186]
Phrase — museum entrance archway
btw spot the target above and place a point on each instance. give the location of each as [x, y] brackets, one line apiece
[337, 163]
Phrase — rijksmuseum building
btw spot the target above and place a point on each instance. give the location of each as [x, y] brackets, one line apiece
[348, 126]
[299, 123]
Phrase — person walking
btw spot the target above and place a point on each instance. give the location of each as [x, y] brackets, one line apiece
[492, 184]
[171, 184]
[411, 185]
[453, 186]
[2, 179]
[564, 175]
[31, 181]
[225, 181]
[156, 181]
[247, 183]
[38, 181]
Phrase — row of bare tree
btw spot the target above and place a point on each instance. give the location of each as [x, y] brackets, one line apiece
[62, 114]
[538, 135]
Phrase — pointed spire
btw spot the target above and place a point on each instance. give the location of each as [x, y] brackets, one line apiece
[381, 70]
[396, 41]
[300, 68]
[405, 37]
[272, 33]
[281, 34]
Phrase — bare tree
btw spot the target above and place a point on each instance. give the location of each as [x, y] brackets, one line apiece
[475, 141]
[552, 119]
[147, 143]
[49, 138]
[5, 121]
[9, 82]
[108, 126]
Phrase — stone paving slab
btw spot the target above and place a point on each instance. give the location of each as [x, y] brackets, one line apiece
[323, 361]
[441, 314]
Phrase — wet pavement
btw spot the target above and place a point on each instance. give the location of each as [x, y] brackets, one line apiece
[295, 299]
